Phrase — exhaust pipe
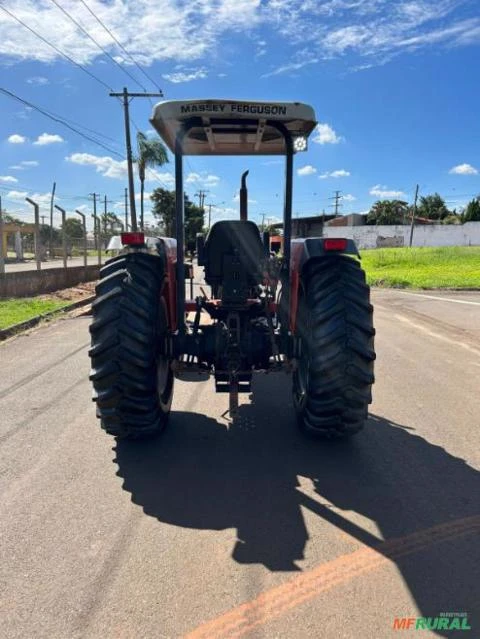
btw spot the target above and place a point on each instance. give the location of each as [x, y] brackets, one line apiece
[244, 198]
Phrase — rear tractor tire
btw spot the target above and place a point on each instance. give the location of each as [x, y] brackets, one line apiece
[333, 381]
[131, 375]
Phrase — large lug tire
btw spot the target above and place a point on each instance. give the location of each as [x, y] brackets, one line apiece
[332, 386]
[132, 378]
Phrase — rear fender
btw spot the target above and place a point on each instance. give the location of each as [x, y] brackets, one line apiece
[303, 251]
[168, 246]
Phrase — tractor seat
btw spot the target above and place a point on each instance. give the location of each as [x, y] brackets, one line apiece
[227, 237]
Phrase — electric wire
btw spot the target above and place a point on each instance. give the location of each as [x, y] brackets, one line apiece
[60, 121]
[120, 45]
[104, 51]
[55, 48]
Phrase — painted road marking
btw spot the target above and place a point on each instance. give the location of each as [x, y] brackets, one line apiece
[442, 338]
[442, 299]
[275, 602]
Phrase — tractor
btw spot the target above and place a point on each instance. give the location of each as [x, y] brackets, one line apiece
[305, 311]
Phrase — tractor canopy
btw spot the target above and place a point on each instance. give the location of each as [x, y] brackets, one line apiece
[230, 127]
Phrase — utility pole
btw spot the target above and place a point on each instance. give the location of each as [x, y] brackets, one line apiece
[43, 219]
[337, 197]
[2, 258]
[201, 198]
[414, 215]
[126, 102]
[52, 198]
[126, 209]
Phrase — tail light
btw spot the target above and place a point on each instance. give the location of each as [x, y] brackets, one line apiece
[334, 244]
[133, 239]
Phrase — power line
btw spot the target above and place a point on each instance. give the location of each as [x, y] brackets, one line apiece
[120, 45]
[47, 42]
[59, 120]
[70, 17]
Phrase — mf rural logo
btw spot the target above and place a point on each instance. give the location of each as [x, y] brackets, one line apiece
[445, 621]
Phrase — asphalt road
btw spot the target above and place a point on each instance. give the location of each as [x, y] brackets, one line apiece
[222, 529]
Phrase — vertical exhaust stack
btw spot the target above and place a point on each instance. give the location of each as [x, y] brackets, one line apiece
[244, 198]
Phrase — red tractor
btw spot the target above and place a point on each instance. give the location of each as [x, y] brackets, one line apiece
[306, 312]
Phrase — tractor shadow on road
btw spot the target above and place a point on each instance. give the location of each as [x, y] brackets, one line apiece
[202, 474]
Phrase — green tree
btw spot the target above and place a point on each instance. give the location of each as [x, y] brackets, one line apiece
[73, 228]
[150, 153]
[453, 218]
[45, 235]
[10, 219]
[472, 212]
[387, 212]
[164, 211]
[433, 207]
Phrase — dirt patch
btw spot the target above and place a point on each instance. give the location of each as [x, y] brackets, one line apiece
[73, 294]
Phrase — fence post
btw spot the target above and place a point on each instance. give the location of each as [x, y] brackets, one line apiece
[36, 235]
[82, 215]
[97, 230]
[64, 235]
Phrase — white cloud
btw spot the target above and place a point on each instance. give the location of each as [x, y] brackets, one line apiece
[464, 169]
[185, 76]
[189, 30]
[17, 195]
[383, 191]
[38, 80]
[105, 165]
[291, 66]
[306, 170]
[206, 179]
[8, 178]
[324, 134]
[23, 165]
[334, 174]
[192, 178]
[166, 179]
[236, 198]
[192, 30]
[16, 138]
[48, 138]
[348, 197]
[41, 198]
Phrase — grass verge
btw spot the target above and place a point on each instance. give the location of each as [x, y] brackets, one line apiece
[14, 311]
[441, 267]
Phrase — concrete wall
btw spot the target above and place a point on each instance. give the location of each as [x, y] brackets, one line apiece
[29, 283]
[432, 235]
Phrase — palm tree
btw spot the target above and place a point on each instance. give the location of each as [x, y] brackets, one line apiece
[150, 153]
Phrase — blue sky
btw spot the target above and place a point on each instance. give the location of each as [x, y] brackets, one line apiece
[394, 86]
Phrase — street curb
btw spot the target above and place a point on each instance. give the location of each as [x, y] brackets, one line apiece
[22, 326]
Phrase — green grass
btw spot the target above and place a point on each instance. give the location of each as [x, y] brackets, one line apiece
[13, 311]
[442, 267]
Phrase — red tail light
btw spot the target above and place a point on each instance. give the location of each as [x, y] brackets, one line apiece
[334, 244]
[133, 239]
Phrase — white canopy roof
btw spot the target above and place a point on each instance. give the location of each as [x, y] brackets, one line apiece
[232, 127]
